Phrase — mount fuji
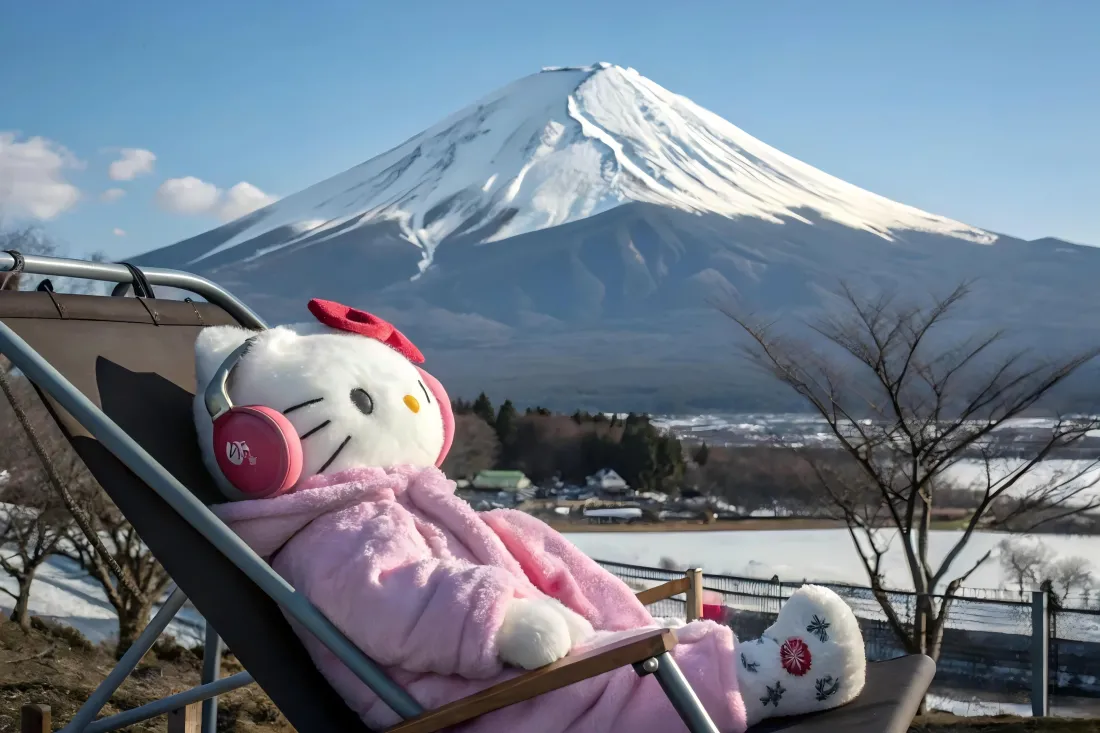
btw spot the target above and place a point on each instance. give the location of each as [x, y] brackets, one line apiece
[563, 241]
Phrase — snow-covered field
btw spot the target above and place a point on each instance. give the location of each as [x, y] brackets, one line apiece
[63, 592]
[974, 706]
[1079, 479]
[814, 554]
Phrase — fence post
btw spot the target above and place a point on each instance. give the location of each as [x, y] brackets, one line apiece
[187, 719]
[693, 607]
[35, 718]
[1040, 655]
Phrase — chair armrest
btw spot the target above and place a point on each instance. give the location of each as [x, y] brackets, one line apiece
[691, 585]
[566, 671]
[663, 591]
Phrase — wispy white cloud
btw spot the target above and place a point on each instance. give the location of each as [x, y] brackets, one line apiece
[188, 195]
[33, 180]
[242, 199]
[194, 196]
[111, 194]
[133, 162]
[118, 232]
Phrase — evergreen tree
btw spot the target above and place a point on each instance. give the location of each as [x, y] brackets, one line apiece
[637, 459]
[483, 408]
[701, 455]
[577, 417]
[669, 462]
[505, 425]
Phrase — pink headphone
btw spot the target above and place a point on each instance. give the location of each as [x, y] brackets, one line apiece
[258, 451]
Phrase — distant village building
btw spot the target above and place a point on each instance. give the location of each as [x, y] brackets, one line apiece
[606, 480]
[500, 481]
[495, 489]
[613, 515]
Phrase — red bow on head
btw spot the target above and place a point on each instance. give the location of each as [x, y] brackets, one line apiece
[353, 320]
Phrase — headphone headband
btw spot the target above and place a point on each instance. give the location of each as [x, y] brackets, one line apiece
[216, 396]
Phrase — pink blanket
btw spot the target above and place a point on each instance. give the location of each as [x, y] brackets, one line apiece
[420, 582]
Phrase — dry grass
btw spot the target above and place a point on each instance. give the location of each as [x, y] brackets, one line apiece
[937, 722]
[56, 666]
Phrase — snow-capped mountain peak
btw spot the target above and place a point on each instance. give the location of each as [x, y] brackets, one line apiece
[566, 144]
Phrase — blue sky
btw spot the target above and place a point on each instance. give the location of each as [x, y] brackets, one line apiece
[985, 111]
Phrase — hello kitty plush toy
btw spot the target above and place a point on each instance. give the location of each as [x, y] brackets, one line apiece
[327, 437]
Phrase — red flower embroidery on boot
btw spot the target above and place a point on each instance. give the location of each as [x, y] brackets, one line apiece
[794, 655]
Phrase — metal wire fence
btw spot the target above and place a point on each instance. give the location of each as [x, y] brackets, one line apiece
[987, 639]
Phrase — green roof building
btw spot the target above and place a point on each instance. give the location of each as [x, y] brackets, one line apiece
[500, 481]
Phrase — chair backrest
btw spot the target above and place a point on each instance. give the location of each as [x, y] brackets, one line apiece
[141, 373]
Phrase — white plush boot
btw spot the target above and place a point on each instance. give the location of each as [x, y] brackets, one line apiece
[810, 659]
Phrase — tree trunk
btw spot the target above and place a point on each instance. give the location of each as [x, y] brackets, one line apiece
[131, 622]
[21, 614]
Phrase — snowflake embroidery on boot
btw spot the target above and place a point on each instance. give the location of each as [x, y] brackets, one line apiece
[818, 628]
[773, 695]
[750, 666]
[826, 687]
[794, 655]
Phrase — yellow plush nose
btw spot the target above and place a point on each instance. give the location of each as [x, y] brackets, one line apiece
[411, 403]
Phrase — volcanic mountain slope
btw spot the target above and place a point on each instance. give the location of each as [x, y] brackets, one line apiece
[566, 237]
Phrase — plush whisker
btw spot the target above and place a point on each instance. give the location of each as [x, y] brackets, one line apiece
[425, 389]
[300, 405]
[333, 456]
[314, 430]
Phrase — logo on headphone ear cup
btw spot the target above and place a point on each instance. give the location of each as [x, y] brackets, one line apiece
[237, 451]
[258, 451]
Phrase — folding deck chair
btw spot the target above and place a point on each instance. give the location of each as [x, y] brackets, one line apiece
[117, 374]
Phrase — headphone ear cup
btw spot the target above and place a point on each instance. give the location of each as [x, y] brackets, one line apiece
[258, 451]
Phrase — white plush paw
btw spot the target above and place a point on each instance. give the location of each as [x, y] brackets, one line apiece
[812, 658]
[534, 633]
[579, 628]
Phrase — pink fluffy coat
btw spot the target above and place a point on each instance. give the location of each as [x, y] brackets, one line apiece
[421, 582]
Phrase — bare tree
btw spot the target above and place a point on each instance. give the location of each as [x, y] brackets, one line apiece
[32, 520]
[1070, 576]
[475, 447]
[1024, 562]
[140, 581]
[30, 240]
[105, 544]
[1032, 566]
[95, 533]
[904, 414]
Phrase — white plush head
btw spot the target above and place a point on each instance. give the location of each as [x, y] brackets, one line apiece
[352, 400]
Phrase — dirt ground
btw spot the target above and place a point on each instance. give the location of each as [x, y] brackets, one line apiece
[58, 667]
[55, 666]
[936, 722]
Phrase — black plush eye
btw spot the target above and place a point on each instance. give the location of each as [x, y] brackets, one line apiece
[362, 401]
